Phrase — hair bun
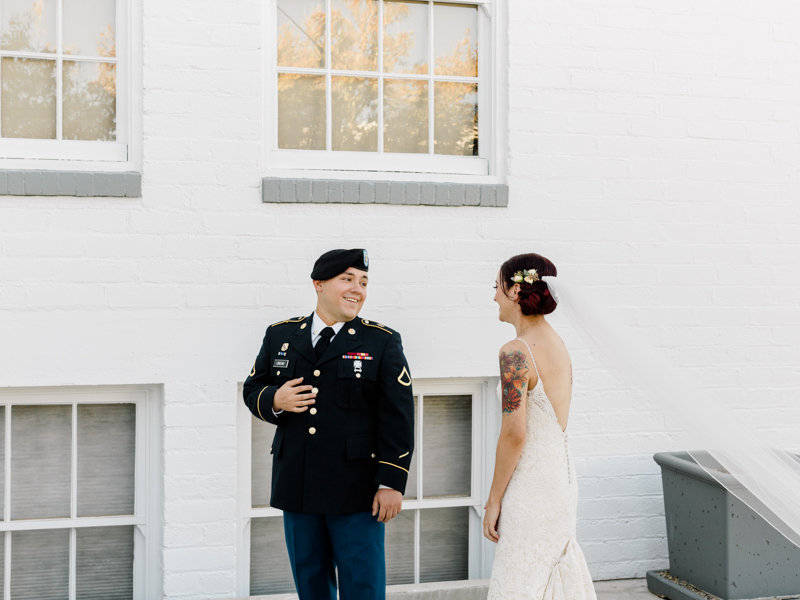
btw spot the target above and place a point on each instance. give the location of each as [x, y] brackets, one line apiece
[536, 299]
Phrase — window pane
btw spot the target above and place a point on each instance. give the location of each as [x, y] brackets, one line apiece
[447, 445]
[405, 37]
[354, 35]
[455, 40]
[301, 111]
[261, 462]
[41, 450]
[106, 459]
[104, 563]
[411, 482]
[444, 544]
[301, 33]
[354, 103]
[405, 116]
[29, 25]
[90, 101]
[399, 544]
[89, 27]
[40, 564]
[455, 118]
[28, 98]
[270, 571]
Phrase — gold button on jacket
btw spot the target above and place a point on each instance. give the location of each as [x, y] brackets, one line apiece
[312, 430]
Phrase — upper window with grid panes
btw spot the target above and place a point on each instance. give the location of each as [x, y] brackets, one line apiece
[61, 70]
[380, 85]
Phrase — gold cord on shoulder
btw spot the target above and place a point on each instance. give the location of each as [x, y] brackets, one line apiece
[375, 325]
[293, 320]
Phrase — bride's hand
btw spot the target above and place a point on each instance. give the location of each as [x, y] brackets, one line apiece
[490, 519]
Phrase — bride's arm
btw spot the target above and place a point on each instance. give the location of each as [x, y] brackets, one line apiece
[514, 367]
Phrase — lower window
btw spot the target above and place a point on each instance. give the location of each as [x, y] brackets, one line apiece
[73, 500]
[437, 536]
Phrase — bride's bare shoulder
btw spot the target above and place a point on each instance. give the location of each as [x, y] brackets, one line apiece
[514, 357]
[514, 346]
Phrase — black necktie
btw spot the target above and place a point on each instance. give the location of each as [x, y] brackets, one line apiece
[324, 341]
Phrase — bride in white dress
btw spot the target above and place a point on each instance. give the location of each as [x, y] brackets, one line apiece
[532, 508]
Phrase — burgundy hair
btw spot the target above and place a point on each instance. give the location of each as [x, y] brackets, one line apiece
[534, 298]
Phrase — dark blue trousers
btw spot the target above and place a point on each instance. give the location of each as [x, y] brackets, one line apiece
[320, 546]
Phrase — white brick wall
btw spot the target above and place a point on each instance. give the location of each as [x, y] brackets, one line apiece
[653, 155]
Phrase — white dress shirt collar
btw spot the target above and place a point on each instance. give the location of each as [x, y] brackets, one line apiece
[317, 325]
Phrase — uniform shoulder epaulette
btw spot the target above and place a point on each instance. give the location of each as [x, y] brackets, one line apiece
[293, 320]
[369, 323]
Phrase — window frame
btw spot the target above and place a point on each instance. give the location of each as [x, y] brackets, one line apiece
[120, 155]
[146, 561]
[480, 553]
[487, 166]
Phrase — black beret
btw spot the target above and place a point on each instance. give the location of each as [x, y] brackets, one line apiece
[335, 262]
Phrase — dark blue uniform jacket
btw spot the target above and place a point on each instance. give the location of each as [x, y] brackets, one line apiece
[361, 434]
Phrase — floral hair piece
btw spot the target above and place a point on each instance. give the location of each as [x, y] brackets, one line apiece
[525, 276]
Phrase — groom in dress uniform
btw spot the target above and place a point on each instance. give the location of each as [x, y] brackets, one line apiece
[339, 389]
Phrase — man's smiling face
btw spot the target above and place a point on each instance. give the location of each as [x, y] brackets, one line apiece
[341, 298]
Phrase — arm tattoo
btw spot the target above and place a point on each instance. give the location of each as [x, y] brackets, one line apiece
[514, 374]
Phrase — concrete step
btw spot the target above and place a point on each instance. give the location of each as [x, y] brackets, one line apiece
[476, 589]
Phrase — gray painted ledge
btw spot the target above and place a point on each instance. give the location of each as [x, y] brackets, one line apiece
[357, 191]
[70, 183]
[477, 589]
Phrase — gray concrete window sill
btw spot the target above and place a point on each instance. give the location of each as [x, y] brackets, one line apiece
[70, 183]
[330, 191]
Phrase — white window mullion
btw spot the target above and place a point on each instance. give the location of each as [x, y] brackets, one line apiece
[73, 502]
[7, 505]
[420, 467]
[420, 448]
[328, 80]
[416, 545]
[430, 79]
[7, 567]
[380, 76]
[73, 495]
[73, 535]
[59, 71]
[7, 493]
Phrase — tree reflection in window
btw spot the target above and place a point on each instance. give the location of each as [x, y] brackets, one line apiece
[405, 78]
[29, 85]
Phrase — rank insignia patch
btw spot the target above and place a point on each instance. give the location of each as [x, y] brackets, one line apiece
[404, 374]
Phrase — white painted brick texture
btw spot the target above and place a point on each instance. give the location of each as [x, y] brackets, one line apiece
[653, 155]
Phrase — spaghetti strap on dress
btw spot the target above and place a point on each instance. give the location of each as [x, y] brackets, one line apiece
[537, 556]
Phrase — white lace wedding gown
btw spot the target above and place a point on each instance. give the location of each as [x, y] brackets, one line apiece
[538, 557]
